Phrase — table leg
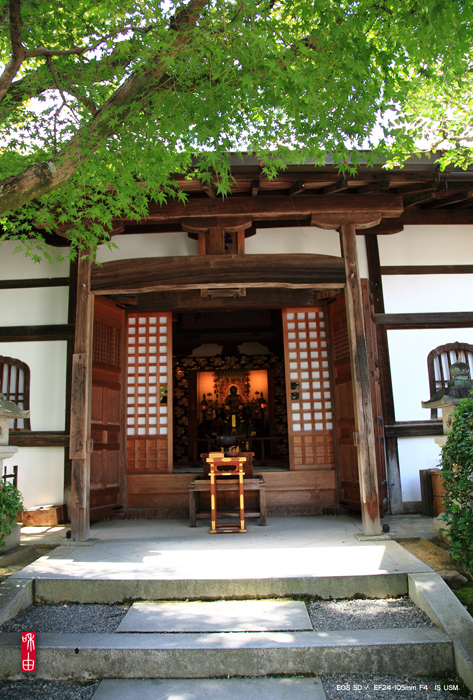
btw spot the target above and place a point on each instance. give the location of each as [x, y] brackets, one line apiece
[192, 508]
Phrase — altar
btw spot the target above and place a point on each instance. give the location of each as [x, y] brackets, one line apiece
[234, 402]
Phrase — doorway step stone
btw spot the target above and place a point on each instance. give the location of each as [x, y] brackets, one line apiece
[217, 616]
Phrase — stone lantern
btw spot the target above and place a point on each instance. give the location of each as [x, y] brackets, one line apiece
[8, 411]
[459, 387]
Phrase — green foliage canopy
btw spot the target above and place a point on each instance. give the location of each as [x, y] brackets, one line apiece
[102, 102]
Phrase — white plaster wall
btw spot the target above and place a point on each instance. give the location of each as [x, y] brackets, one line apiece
[151, 245]
[428, 245]
[40, 475]
[47, 363]
[18, 266]
[427, 293]
[304, 239]
[33, 307]
[415, 454]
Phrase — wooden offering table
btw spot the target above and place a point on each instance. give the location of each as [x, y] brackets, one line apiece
[226, 474]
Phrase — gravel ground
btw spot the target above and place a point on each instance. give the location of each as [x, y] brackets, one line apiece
[67, 618]
[366, 614]
[324, 615]
[47, 690]
[368, 687]
[352, 687]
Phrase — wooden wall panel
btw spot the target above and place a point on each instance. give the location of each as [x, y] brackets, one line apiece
[303, 488]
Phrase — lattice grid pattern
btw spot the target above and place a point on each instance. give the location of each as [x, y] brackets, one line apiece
[106, 344]
[309, 374]
[148, 351]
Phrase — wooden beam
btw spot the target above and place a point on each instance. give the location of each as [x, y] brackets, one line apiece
[39, 438]
[418, 428]
[34, 283]
[337, 186]
[436, 217]
[279, 207]
[385, 228]
[427, 270]
[334, 221]
[203, 224]
[297, 188]
[15, 334]
[380, 186]
[198, 271]
[463, 196]
[367, 471]
[190, 300]
[458, 319]
[80, 442]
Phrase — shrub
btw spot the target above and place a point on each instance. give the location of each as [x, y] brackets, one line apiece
[457, 474]
[11, 501]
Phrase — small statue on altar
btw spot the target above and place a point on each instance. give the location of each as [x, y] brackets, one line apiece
[233, 402]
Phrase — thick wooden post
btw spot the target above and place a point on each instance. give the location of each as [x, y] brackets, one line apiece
[80, 442]
[368, 478]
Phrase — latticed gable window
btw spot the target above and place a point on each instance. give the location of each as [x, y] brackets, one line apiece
[439, 361]
[15, 386]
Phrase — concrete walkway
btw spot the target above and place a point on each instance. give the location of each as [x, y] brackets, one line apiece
[171, 550]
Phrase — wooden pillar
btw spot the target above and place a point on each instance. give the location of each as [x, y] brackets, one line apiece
[367, 473]
[71, 318]
[392, 456]
[80, 442]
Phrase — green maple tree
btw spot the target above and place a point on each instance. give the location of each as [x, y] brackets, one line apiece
[102, 103]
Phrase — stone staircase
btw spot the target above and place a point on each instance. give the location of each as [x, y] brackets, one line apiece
[224, 650]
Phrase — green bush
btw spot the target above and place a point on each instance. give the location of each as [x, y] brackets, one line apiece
[11, 501]
[457, 474]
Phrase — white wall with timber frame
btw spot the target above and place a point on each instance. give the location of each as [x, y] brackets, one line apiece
[439, 245]
[408, 348]
[41, 469]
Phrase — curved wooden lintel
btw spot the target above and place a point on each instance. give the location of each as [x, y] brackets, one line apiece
[194, 272]
[228, 224]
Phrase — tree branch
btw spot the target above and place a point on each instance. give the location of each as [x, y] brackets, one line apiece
[42, 178]
[18, 51]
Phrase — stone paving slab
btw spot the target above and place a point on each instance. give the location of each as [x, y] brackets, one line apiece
[214, 689]
[219, 616]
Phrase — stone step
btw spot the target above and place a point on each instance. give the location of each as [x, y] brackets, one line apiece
[214, 689]
[410, 652]
[217, 616]
[114, 590]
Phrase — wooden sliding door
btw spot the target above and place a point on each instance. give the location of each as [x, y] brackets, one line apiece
[308, 389]
[106, 460]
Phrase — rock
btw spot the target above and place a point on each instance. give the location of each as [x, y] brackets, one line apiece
[453, 578]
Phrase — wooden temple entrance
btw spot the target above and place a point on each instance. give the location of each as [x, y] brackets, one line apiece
[321, 304]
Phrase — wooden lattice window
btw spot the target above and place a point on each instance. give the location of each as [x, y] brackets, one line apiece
[15, 386]
[439, 361]
[308, 388]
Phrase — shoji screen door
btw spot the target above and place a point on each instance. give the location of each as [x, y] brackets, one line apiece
[308, 388]
[149, 393]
